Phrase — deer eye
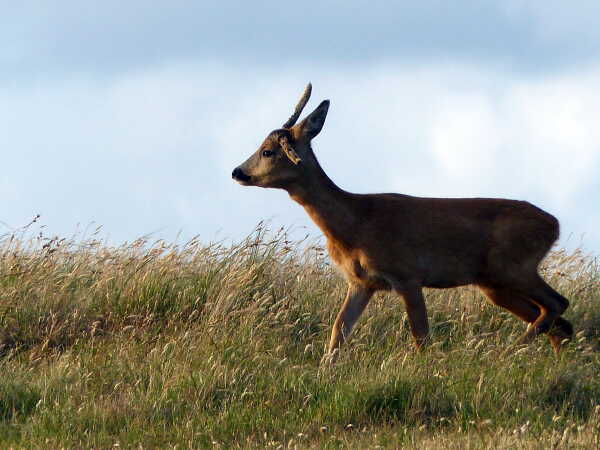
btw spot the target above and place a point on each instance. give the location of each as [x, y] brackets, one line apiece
[267, 153]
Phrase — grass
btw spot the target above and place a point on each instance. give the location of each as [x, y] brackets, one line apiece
[158, 345]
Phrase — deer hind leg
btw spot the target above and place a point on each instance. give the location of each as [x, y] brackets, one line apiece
[355, 303]
[524, 308]
[561, 330]
[551, 305]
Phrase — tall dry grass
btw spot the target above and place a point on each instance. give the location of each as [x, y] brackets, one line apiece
[154, 344]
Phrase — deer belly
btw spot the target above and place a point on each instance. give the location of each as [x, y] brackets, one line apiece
[448, 277]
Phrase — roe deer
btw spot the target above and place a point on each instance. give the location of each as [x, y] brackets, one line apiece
[404, 243]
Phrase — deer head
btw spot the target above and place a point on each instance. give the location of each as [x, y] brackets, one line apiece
[285, 157]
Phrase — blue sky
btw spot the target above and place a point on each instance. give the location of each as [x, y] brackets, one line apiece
[132, 117]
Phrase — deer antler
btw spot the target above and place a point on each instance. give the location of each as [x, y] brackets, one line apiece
[299, 107]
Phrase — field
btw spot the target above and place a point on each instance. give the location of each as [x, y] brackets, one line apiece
[197, 345]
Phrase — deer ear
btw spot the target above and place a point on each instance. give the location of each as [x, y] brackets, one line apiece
[313, 123]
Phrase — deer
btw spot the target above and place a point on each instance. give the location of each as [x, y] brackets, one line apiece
[401, 243]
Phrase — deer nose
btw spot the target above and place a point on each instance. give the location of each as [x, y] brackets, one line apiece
[238, 174]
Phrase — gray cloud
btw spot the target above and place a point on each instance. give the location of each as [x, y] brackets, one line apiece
[41, 39]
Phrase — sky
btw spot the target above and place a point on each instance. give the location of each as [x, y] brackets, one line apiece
[132, 115]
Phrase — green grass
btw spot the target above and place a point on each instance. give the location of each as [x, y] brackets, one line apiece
[155, 345]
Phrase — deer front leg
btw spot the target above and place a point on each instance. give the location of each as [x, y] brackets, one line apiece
[416, 310]
[356, 300]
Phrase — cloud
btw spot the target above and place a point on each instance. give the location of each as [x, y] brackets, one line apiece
[153, 149]
[107, 38]
[553, 21]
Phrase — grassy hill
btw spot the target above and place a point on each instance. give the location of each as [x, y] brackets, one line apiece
[154, 345]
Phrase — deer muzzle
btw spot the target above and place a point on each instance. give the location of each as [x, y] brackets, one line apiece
[239, 176]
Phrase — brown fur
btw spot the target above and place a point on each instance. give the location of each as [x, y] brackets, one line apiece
[403, 243]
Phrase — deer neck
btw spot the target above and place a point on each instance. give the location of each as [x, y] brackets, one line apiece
[328, 206]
